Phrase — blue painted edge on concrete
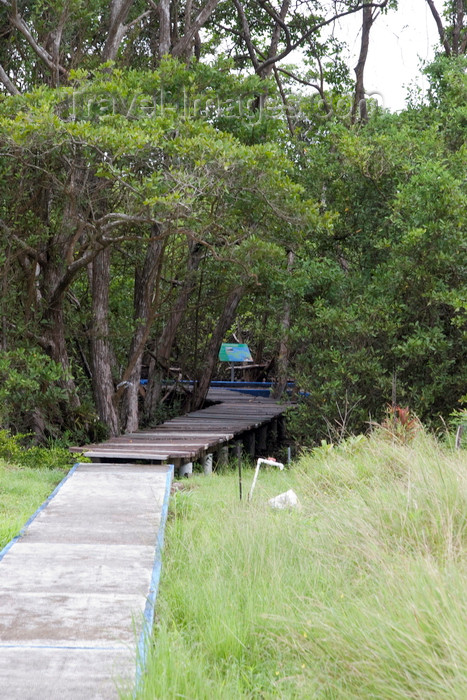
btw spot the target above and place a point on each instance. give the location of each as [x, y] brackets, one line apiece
[148, 618]
[10, 544]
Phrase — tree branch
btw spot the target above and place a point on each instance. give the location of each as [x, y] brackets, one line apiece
[278, 57]
[118, 13]
[17, 21]
[109, 221]
[359, 108]
[456, 33]
[183, 45]
[25, 247]
[136, 21]
[284, 100]
[439, 24]
[10, 86]
[56, 39]
[246, 35]
[279, 19]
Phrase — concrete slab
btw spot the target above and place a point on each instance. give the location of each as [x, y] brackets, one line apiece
[54, 568]
[65, 674]
[78, 620]
[123, 506]
[78, 588]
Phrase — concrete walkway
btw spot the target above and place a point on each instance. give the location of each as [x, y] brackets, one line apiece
[77, 589]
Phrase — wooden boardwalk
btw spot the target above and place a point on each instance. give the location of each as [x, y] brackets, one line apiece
[194, 436]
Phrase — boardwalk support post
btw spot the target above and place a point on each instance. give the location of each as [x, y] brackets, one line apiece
[223, 456]
[262, 439]
[207, 464]
[249, 442]
[281, 429]
[186, 469]
[272, 434]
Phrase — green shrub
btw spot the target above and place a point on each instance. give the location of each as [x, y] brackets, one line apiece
[13, 451]
[30, 387]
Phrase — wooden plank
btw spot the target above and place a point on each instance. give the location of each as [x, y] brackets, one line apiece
[169, 450]
[181, 451]
[174, 434]
[125, 455]
[150, 444]
[151, 454]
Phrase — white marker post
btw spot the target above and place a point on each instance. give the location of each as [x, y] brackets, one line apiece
[261, 461]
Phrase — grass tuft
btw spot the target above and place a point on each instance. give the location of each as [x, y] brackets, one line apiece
[22, 491]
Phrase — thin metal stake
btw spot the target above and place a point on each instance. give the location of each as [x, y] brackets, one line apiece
[239, 457]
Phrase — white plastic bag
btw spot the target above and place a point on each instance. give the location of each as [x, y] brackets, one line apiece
[288, 499]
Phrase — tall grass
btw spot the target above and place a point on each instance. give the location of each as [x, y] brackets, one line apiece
[360, 594]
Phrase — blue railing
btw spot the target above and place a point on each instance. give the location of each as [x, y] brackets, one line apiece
[253, 388]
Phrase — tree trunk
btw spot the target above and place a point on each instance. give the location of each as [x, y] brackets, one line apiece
[267, 71]
[146, 284]
[101, 351]
[119, 10]
[359, 107]
[50, 315]
[160, 362]
[439, 25]
[457, 29]
[182, 46]
[225, 321]
[54, 340]
[165, 38]
[284, 346]
[10, 86]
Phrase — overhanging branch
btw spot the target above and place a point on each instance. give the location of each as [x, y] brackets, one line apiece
[10, 86]
[18, 22]
[295, 45]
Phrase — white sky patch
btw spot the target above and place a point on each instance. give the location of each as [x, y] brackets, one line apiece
[399, 41]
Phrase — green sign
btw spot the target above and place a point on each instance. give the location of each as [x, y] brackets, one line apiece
[235, 352]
